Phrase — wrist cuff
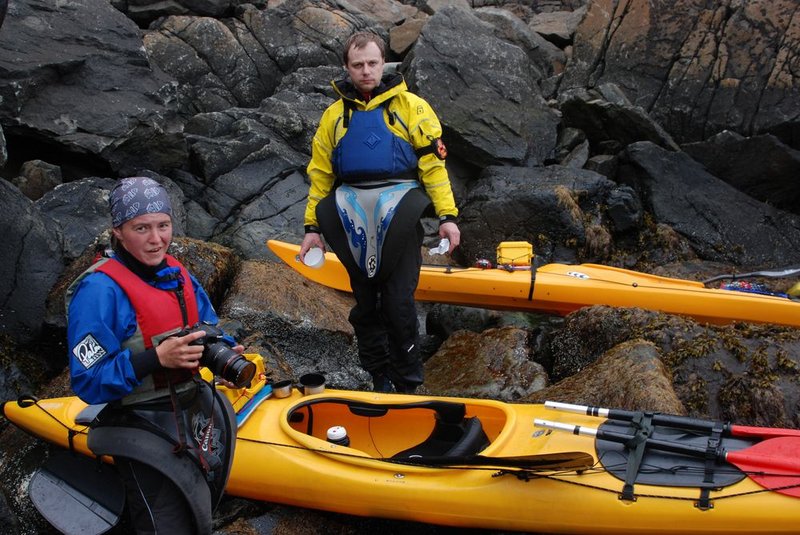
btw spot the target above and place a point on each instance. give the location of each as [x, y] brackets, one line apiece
[447, 218]
[313, 228]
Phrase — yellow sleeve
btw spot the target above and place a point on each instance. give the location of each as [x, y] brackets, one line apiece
[423, 128]
[320, 170]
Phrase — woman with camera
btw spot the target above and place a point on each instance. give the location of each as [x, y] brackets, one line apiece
[136, 341]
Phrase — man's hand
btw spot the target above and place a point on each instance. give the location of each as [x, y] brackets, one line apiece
[449, 230]
[311, 239]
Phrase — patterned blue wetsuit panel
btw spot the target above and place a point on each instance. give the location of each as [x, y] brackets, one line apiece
[366, 214]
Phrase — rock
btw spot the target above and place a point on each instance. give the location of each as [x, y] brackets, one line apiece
[517, 128]
[546, 206]
[624, 208]
[744, 373]
[604, 120]
[3, 148]
[87, 89]
[604, 164]
[558, 27]
[387, 13]
[761, 166]
[214, 70]
[37, 178]
[493, 364]
[629, 376]
[403, 36]
[577, 157]
[81, 210]
[442, 320]
[545, 56]
[434, 6]
[303, 326]
[146, 11]
[690, 71]
[722, 224]
[30, 265]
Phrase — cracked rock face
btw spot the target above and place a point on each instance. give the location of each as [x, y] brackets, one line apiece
[689, 65]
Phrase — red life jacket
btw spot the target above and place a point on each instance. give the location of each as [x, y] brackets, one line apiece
[158, 312]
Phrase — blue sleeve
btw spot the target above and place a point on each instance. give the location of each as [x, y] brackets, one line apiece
[100, 316]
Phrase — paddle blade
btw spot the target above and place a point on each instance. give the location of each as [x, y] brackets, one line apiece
[773, 464]
[763, 432]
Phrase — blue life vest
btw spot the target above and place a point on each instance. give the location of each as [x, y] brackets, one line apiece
[370, 151]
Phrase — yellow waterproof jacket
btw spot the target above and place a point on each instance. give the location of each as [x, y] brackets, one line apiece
[416, 123]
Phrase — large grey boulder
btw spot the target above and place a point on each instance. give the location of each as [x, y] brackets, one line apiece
[31, 263]
[75, 76]
[761, 166]
[145, 11]
[696, 67]
[484, 90]
[721, 223]
[551, 207]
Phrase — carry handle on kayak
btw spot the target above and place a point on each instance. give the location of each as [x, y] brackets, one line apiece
[773, 463]
[671, 420]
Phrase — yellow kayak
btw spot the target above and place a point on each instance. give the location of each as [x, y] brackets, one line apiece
[478, 464]
[561, 289]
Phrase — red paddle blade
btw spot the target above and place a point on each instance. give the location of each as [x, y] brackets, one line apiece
[773, 464]
[763, 432]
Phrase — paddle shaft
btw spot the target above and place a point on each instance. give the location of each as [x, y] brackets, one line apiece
[670, 420]
[622, 438]
[771, 274]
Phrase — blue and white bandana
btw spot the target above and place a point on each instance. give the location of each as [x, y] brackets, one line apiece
[136, 196]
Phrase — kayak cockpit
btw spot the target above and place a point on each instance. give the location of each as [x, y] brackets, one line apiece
[384, 430]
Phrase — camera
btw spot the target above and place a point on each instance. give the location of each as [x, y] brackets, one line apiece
[219, 357]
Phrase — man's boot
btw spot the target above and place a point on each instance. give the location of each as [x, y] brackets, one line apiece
[381, 383]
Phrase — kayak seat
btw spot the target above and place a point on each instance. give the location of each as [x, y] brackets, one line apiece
[462, 439]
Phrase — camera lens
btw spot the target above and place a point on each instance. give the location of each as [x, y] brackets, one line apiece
[228, 364]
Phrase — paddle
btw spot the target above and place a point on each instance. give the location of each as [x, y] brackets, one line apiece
[567, 460]
[771, 274]
[773, 463]
[681, 422]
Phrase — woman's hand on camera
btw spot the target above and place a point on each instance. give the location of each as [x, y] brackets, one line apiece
[175, 351]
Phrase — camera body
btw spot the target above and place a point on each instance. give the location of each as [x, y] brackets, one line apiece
[219, 357]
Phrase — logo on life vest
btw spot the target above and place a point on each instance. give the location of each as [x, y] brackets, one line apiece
[88, 351]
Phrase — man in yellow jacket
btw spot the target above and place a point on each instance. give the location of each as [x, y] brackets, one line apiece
[377, 163]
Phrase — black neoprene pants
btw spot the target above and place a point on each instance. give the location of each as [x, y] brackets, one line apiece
[155, 504]
[385, 319]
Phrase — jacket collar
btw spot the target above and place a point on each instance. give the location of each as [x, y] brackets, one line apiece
[390, 86]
